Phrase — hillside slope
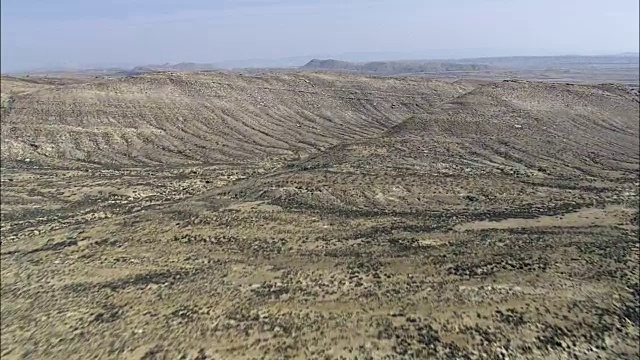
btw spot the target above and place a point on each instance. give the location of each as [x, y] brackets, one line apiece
[563, 130]
[492, 142]
[170, 119]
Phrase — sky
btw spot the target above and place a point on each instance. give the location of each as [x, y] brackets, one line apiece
[86, 33]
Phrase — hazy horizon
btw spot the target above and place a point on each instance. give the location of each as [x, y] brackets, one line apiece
[74, 33]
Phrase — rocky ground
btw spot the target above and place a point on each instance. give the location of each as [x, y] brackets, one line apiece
[501, 222]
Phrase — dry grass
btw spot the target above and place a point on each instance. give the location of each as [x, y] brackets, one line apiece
[499, 221]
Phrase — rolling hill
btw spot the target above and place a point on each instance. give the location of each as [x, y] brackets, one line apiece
[203, 117]
[498, 137]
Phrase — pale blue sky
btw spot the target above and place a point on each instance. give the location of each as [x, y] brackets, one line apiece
[41, 33]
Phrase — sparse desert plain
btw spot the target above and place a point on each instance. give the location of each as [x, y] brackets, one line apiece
[318, 215]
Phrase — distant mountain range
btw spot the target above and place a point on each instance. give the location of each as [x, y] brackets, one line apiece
[392, 67]
[183, 66]
[364, 63]
[555, 61]
[475, 64]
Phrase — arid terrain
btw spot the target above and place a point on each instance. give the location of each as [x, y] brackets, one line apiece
[318, 215]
